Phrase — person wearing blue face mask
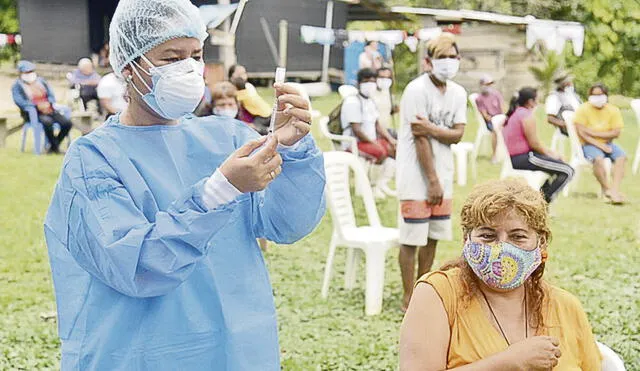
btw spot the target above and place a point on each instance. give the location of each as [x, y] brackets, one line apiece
[152, 227]
[492, 309]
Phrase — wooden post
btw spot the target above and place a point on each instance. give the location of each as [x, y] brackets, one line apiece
[328, 23]
[284, 34]
[3, 131]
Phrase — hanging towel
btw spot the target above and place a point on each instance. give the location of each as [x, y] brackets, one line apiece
[317, 35]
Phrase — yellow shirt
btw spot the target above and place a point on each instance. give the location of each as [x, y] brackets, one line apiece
[473, 337]
[605, 119]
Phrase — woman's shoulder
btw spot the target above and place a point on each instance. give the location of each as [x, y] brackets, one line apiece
[561, 300]
[446, 282]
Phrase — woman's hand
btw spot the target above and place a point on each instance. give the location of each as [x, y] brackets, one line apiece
[293, 118]
[253, 172]
[535, 353]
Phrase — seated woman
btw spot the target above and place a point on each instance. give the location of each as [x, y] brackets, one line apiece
[491, 309]
[525, 148]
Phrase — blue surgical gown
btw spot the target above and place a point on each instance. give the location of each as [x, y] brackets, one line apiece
[145, 276]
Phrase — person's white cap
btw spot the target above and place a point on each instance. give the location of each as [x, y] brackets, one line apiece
[486, 79]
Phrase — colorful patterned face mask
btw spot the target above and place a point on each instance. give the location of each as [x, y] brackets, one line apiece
[501, 265]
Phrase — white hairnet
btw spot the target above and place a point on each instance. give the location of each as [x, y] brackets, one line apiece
[140, 25]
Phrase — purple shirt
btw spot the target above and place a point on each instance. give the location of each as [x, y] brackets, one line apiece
[490, 102]
[513, 132]
[80, 78]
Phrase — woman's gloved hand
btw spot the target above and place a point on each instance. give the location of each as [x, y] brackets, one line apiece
[293, 119]
[253, 172]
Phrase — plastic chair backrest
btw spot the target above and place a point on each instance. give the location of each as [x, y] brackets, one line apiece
[338, 166]
[501, 146]
[635, 105]
[611, 361]
[574, 140]
[333, 138]
[476, 112]
[347, 90]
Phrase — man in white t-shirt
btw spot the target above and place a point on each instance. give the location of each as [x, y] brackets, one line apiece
[359, 118]
[564, 98]
[111, 92]
[433, 115]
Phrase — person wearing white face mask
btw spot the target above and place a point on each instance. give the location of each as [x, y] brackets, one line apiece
[564, 98]
[433, 113]
[360, 118]
[35, 99]
[152, 227]
[598, 123]
[383, 98]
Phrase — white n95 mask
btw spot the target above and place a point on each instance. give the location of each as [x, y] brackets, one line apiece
[177, 89]
[446, 68]
[226, 112]
[29, 77]
[598, 100]
[368, 88]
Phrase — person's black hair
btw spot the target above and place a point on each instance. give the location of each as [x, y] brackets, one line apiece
[524, 95]
[369, 42]
[365, 74]
[232, 70]
[384, 69]
[600, 85]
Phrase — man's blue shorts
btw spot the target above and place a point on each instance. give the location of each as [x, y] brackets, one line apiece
[592, 152]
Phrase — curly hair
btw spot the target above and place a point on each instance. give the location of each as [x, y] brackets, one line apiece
[489, 200]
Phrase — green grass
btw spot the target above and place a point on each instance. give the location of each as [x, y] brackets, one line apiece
[594, 254]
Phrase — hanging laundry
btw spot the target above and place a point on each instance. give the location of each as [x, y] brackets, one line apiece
[317, 35]
[11, 39]
[18, 39]
[412, 43]
[3, 40]
[390, 38]
[427, 34]
[555, 35]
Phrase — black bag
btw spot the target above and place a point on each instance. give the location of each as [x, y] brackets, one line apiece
[335, 123]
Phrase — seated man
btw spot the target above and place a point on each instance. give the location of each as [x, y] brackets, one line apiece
[598, 123]
[359, 118]
[33, 96]
[86, 79]
[564, 98]
[111, 91]
[490, 103]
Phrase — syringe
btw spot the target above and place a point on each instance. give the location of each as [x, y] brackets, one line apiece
[280, 72]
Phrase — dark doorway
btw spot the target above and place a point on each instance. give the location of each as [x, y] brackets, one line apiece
[100, 14]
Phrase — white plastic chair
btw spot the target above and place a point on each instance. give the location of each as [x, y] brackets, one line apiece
[558, 141]
[610, 360]
[461, 152]
[578, 162]
[535, 179]
[373, 240]
[482, 134]
[635, 105]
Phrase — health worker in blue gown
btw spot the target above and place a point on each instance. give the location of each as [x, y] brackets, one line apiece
[152, 228]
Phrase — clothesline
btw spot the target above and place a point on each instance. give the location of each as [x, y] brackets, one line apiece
[10, 39]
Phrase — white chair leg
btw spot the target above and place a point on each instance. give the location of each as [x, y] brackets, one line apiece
[636, 160]
[461, 165]
[375, 258]
[350, 268]
[327, 268]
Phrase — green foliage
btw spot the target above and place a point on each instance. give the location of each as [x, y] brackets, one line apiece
[545, 74]
[594, 254]
[9, 24]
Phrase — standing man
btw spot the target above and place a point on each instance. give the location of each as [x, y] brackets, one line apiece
[564, 98]
[35, 98]
[490, 103]
[384, 99]
[433, 113]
